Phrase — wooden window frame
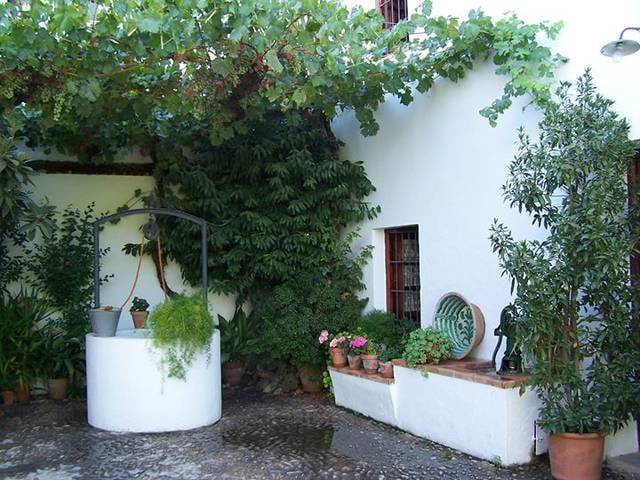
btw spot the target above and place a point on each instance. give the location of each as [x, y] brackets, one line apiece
[395, 265]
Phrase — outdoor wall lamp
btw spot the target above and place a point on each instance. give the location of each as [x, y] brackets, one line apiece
[620, 48]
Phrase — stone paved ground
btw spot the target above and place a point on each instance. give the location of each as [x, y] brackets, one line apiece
[258, 437]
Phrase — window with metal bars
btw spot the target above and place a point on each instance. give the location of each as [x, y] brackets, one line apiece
[403, 272]
[393, 11]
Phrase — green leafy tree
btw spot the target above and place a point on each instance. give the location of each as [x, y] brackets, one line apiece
[93, 78]
[573, 290]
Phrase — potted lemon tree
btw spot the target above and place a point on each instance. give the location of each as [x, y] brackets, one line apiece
[573, 289]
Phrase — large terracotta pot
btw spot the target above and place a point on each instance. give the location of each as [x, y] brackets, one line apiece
[311, 379]
[338, 357]
[232, 372]
[370, 363]
[8, 397]
[576, 456]
[139, 318]
[23, 394]
[355, 362]
[57, 388]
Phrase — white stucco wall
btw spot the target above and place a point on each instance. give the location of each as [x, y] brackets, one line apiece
[109, 192]
[438, 164]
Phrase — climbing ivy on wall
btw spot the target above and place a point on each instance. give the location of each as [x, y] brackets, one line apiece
[276, 198]
[93, 77]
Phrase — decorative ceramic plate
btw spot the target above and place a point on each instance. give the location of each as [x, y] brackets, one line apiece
[462, 321]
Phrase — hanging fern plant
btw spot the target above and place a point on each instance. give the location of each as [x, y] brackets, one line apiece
[181, 328]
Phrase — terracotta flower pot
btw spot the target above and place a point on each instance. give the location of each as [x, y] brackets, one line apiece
[576, 456]
[338, 357]
[57, 388]
[399, 362]
[386, 369]
[232, 372]
[355, 362]
[139, 319]
[370, 363]
[8, 397]
[311, 379]
[23, 394]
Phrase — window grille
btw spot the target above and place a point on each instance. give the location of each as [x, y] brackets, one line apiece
[393, 11]
[403, 272]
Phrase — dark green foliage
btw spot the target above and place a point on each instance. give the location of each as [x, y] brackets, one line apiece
[573, 291]
[379, 326]
[427, 345]
[62, 268]
[181, 327]
[139, 305]
[291, 317]
[277, 198]
[21, 338]
[20, 216]
[237, 336]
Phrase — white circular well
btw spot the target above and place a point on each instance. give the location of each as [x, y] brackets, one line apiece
[128, 390]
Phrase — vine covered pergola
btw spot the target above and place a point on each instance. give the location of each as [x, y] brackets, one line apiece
[92, 79]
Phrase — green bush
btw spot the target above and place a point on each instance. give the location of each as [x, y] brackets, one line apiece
[182, 328]
[237, 336]
[379, 326]
[291, 317]
[427, 345]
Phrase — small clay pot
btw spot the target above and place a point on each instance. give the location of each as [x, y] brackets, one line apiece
[57, 388]
[386, 369]
[232, 372]
[355, 362]
[576, 456]
[311, 379]
[8, 397]
[370, 363]
[338, 357]
[139, 318]
[23, 394]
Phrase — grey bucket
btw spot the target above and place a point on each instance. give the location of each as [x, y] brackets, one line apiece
[104, 322]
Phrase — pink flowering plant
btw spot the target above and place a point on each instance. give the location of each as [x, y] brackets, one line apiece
[357, 344]
[333, 341]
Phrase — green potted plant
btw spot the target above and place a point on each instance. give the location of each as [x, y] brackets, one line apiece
[370, 357]
[181, 328]
[385, 360]
[57, 354]
[237, 341]
[573, 289]
[427, 345]
[139, 312]
[7, 381]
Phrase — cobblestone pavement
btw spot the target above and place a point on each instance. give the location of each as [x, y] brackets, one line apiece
[258, 437]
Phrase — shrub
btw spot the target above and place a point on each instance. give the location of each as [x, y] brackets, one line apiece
[292, 314]
[380, 326]
[573, 290]
[427, 345]
[182, 328]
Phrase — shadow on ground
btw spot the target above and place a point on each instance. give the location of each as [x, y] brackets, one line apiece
[258, 437]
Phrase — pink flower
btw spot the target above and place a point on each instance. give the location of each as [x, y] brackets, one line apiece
[333, 343]
[324, 336]
[358, 342]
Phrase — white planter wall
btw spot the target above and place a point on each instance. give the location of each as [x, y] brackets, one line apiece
[495, 424]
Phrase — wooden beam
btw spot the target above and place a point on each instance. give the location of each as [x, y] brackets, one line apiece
[82, 168]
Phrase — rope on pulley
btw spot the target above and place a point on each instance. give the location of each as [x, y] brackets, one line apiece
[163, 283]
